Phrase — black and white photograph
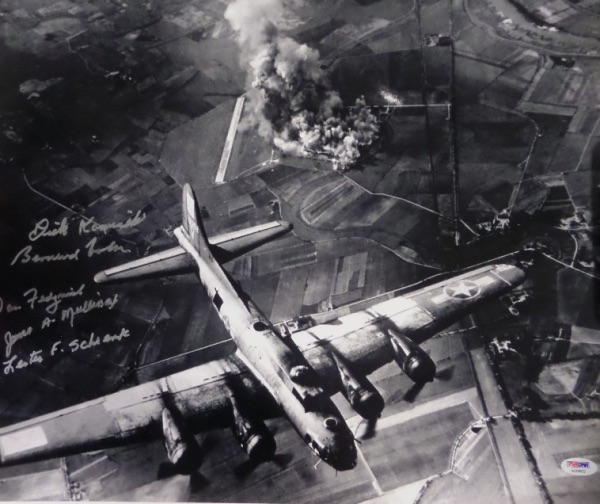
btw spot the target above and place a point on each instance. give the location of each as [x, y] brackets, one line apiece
[308, 251]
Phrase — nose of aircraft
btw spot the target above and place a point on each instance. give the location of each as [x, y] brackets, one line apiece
[343, 457]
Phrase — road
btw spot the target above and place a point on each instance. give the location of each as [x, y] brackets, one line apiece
[520, 28]
[510, 455]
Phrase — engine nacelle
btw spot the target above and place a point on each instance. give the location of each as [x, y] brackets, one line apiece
[359, 391]
[412, 359]
[252, 434]
[182, 448]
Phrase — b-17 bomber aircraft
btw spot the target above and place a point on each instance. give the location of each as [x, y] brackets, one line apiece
[271, 373]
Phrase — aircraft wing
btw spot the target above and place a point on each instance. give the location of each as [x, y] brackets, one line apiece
[363, 338]
[448, 301]
[225, 247]
[200, 394]
[228, 246]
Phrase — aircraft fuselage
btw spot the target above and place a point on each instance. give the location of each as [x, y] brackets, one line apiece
[277, 364]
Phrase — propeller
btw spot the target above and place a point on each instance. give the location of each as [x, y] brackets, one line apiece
[369, 430]
[369, 427]
[445, 374]
[248, 466]
[442, 375]
[196, 480]
[412, 393]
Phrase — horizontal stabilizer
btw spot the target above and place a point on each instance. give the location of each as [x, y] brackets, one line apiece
[168, 262]
[228, 246]
[174, 261]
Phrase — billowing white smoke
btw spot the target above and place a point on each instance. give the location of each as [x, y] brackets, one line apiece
[291, 98]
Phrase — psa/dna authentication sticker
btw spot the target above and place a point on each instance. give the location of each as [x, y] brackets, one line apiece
[578, 466]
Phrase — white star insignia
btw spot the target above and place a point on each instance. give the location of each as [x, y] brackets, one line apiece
[462, 290]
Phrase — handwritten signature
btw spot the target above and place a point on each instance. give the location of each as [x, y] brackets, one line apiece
[10, 339]
[44, 228]
[89, 226]
[37, 356]
[111, 248]
[26, 255]
[9, 307]
[51, 299]
[87, 306]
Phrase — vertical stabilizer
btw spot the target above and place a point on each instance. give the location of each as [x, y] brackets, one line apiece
[192, 223]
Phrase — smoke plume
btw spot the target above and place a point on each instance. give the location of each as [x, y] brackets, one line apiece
[291, 98]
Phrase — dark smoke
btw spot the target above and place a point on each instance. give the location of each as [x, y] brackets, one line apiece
[291, 98]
